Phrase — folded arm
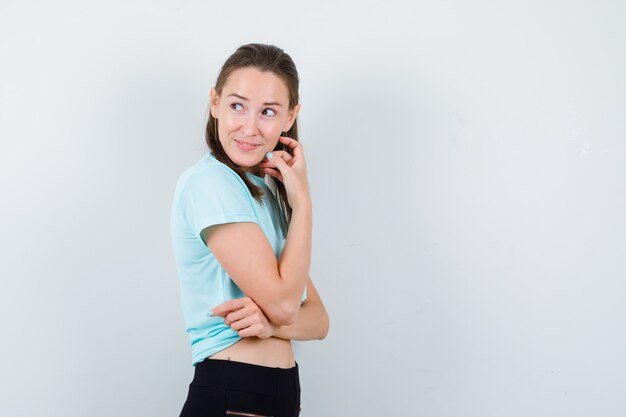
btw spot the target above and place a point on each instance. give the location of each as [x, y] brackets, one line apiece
[312, 323]
[245, 253]
[246, 317]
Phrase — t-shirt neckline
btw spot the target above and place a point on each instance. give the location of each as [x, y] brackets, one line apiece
[250, 175]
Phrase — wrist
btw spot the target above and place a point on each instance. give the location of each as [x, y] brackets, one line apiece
[275, 329]
[304, 204]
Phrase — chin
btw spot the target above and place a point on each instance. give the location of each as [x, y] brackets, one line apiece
[247, 161]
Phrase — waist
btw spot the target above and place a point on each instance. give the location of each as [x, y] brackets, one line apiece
[247, 377]
[272, 352]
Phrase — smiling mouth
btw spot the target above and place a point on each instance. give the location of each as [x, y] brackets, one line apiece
[247, 143]
[246, 146]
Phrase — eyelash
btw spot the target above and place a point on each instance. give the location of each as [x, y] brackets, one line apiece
[234, 104]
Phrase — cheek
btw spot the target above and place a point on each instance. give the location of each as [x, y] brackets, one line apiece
[272, 129]
[228, 122]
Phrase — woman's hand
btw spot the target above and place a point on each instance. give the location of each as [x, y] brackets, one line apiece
[245, 316]
[290, 170]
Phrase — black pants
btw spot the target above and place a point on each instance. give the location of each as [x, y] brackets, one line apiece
[229, 388]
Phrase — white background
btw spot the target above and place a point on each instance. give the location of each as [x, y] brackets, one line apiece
[467, 169]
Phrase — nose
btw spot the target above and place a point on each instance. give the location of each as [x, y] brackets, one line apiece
[249, 127]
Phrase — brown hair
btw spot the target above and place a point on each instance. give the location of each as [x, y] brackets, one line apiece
[264, 58]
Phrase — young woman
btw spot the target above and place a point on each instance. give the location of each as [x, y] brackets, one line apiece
[243, 246]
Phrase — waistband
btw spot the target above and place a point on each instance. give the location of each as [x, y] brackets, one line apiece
[228, 374]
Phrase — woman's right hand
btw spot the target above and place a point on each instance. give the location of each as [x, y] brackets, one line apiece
[291, 171]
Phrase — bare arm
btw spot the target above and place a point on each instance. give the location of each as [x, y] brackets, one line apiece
[246, 317]
[246, 255]
[312, 322]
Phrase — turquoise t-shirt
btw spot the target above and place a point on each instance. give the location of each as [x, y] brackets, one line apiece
[209, 193]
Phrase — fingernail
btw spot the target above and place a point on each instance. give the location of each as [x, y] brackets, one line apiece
[269, 155]
[210, 312]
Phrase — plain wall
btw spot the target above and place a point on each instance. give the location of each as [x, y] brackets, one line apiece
[467, 163]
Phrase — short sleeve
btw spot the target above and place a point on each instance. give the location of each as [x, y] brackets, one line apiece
[214, 196]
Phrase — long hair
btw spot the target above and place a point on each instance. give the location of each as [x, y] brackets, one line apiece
[264, 58]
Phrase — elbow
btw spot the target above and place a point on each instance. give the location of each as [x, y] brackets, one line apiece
[325, 326]
[284, 314]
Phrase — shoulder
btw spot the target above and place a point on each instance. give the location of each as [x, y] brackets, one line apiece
[208, 173]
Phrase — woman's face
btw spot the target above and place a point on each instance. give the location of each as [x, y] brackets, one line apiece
[252, 112]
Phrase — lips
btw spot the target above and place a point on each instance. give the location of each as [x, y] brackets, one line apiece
[246, 146]
[247, 143]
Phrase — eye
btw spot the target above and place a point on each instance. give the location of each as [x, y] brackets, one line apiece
[273, 112]
[235, 104]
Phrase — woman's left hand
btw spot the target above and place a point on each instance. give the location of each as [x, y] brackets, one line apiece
[246, 317]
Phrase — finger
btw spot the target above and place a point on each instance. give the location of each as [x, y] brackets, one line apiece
[226, 307]
[236, 315]
[251, 331]
[273, 172]
[266, 164]
[283, 154]
[244, 322]
[229, 305]
[286, 156]
[293, 144]
[269, 166]
[278, 162]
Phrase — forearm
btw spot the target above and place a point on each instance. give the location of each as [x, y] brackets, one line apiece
[295, 259]
[312, 324]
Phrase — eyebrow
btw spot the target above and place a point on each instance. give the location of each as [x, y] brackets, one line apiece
[265, 104]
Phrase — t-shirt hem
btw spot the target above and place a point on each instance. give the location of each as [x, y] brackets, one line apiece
[201, 355]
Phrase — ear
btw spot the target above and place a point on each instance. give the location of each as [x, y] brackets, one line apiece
[292, 117]
[214, 101]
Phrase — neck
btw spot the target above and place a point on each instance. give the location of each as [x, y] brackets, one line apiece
[256, 171]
